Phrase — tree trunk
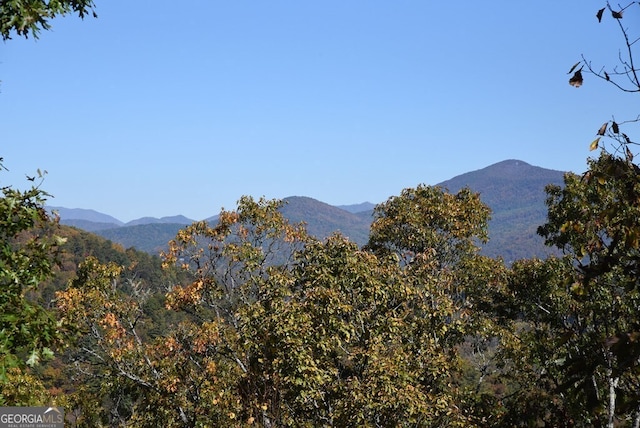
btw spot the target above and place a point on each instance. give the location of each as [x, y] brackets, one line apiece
[613, 384]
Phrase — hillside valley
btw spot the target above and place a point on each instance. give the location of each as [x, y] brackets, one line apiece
[513, 189]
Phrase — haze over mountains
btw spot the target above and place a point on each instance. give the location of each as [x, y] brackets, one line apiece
[513, 189]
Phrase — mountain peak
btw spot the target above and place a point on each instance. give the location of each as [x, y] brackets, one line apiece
[84, 215]
[510, 163]
[511, 168]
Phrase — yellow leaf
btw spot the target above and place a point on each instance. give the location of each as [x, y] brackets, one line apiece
[594, 144]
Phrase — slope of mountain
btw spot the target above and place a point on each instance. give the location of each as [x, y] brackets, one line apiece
[89, 226]
[515, 192]
[323, 219]
[151, 238]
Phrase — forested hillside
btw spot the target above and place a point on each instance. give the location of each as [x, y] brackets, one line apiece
[253, 312]
[252, 320]
[152, 238]
[513, 189]
[515, 192]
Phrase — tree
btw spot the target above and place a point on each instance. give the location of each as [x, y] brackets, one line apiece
[575, 322]
[357, 340]
[571, 357]
[29, 17]
[194, 371]
[428, 219]
[594, 219]
[28, 331]
[531, 355]
[116, 370]
[29, 246]
[428, 224]
[280, 330]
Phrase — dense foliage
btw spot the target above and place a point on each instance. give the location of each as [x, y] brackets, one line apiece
[253, 322]
[28, 331]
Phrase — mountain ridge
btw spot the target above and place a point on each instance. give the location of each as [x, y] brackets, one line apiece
[513, 189]
[84, 214]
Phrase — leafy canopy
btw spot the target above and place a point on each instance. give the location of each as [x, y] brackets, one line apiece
[29, 17]
[28, 254]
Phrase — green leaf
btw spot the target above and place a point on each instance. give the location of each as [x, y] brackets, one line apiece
[594, 144]
[47, 353]
[33, 359]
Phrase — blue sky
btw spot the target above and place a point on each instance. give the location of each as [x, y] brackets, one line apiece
[160, 108]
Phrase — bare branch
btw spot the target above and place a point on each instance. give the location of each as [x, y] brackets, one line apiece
[607, 76]
[626, 58]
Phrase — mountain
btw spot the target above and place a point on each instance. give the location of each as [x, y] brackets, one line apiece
[515, 192]
[322, 219]
[85, 215]
[513, 189]
[507, 184]
[176, 219]
[147, 234]
[357, 208]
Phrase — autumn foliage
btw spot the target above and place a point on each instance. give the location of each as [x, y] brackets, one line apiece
[253, 322]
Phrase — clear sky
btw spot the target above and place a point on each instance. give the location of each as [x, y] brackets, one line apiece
[161, 108]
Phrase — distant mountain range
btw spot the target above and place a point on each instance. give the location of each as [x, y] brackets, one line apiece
[513, 189]
[91, 220]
